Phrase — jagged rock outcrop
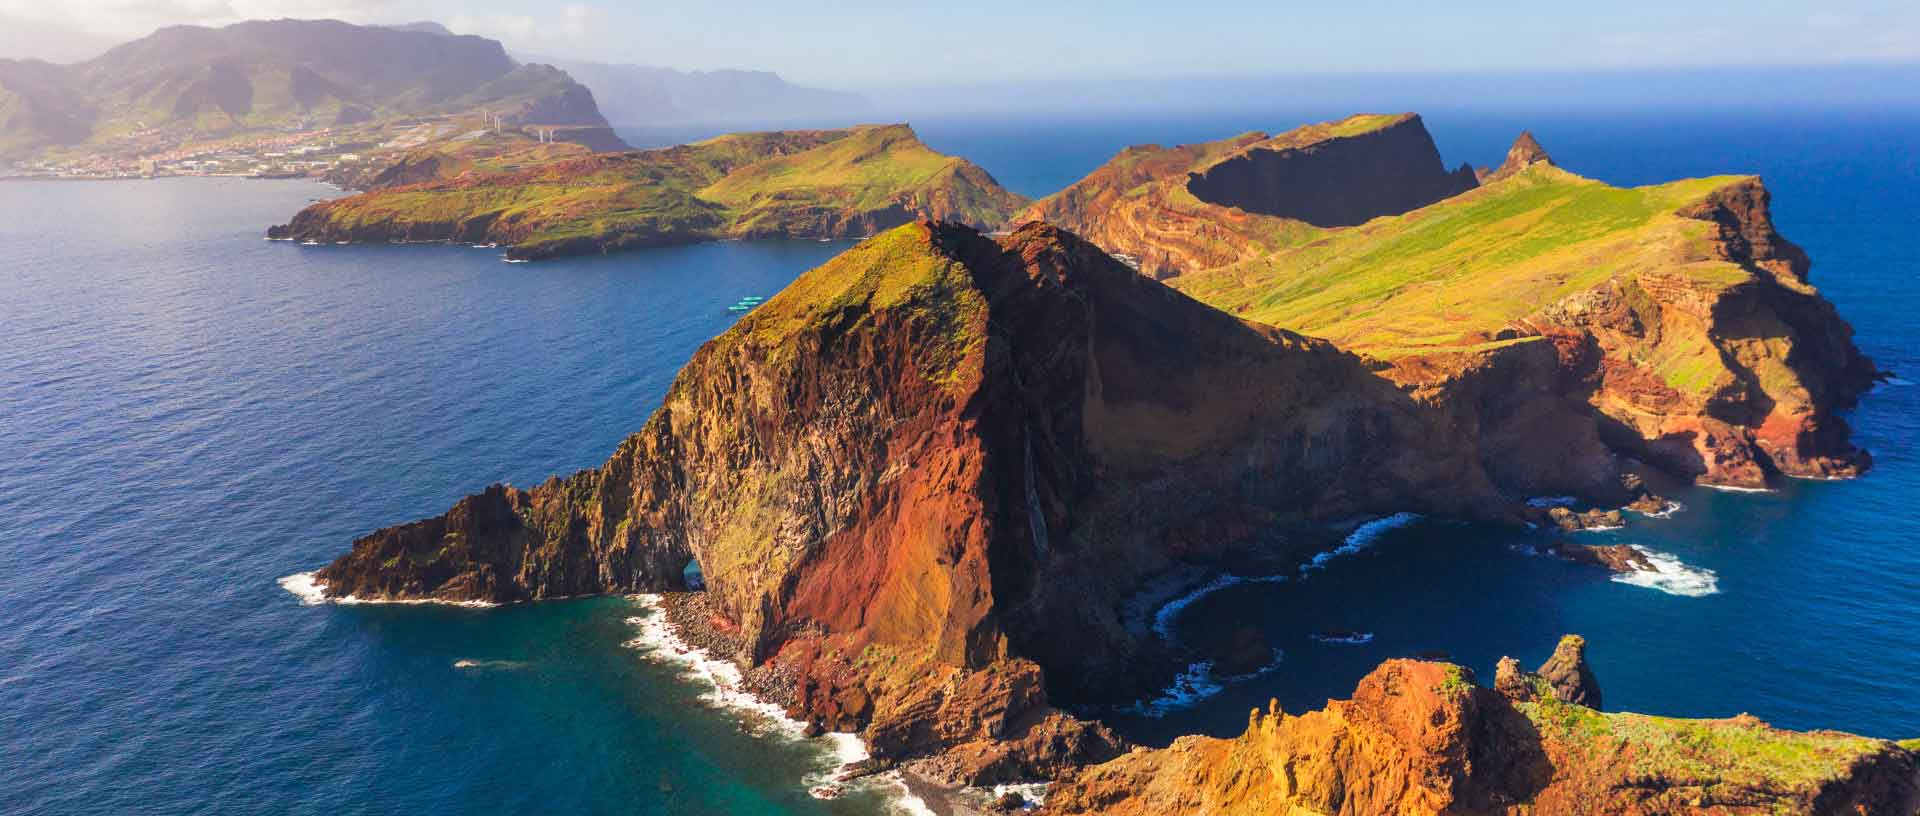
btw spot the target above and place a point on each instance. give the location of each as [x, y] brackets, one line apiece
[1567, 675]
[1421, 738]
[1526, 151]
[1172, 211]
[1621, 558]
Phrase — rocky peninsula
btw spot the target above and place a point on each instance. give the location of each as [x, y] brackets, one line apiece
[928, 483]
[821, 184]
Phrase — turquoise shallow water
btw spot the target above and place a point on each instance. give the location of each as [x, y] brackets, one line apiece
[189, 413]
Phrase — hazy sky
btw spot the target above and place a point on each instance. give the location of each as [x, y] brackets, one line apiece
[853, 43]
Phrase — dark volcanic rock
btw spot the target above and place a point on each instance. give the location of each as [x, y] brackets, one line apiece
[1575, 521]
[1615, 557]
[1337, 182]
[1568, 674]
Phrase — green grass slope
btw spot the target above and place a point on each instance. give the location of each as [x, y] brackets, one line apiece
[811, 184]
[1458, 272]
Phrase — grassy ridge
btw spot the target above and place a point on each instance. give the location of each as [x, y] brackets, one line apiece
[1455, 273]
[798, 183]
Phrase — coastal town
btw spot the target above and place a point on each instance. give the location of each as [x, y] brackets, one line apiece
[287, 154]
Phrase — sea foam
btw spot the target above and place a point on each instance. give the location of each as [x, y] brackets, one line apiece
[1169, 613]
[727, 690]
[1362, 537]
[1671, 576]
[311, 591]
[1193, 685]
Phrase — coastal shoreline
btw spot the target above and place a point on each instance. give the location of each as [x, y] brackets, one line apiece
[691, 634]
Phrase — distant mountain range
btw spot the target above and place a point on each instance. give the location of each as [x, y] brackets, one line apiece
[191, 81]
[642, 94]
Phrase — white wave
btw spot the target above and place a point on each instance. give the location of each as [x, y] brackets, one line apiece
[1671, 576]
[312, 592]
[727, 690]
[1164, 618]
[1355, 639]
[904, 799]
[1362, 537]
[1195, 684]
[1736, 489]
[464, 663]
[1671, 508]
[1035, 793]
[1604, 528]
[303, 586]
[1896, 382]
[1544, 502]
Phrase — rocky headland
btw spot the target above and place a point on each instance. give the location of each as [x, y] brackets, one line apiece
[938, 486]
[1421, 737]
[791, 184]
[1173, 210]
[1639, 334]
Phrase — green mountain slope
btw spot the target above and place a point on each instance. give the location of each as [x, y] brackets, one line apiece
[187, 82]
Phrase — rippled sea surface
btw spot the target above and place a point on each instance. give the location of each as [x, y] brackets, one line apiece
[189, 413]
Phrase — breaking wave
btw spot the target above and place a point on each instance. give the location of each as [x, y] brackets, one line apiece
[1164, 618]
[1362, 537]
[503, 665]
[1195, 684]
[311, 591]
[727, 690]
[1671, 576]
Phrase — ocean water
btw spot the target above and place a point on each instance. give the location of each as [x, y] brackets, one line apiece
[189, 414]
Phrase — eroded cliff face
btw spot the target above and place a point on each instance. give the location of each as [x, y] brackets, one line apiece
[1188, 208]
[950, 455]
[1420, 738]
[1334, 182]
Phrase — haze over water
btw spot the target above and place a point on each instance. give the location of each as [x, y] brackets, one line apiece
[189, 413]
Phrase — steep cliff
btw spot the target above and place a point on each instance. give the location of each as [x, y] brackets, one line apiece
[1193, 207]
[1669, 324]
[943, 454]
[798, 184]
[1422, 738]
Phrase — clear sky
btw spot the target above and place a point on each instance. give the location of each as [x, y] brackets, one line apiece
[869, 43]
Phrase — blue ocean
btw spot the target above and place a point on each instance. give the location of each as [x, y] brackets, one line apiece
[190, 414]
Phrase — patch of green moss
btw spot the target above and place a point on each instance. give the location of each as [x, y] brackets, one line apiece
[1739, 751]
[899, 271]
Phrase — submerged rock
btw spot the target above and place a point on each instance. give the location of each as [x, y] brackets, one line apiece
[1575, 520]
[1621, 558]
